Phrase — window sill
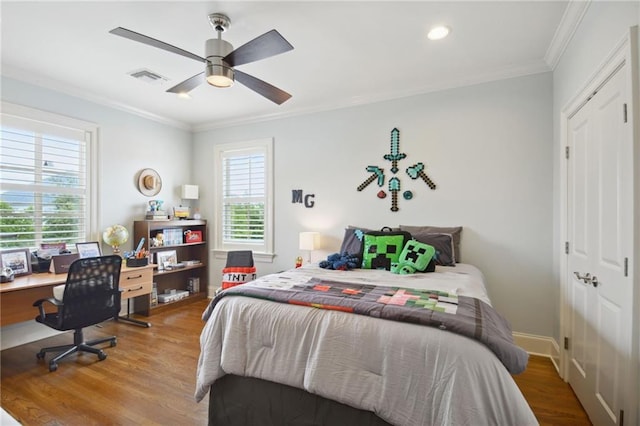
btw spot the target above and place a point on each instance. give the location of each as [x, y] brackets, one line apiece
[257, 256]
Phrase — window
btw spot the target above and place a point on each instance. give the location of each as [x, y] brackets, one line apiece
[244, 219]
[45, 169]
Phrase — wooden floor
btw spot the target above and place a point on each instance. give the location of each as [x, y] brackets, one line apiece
[149, 378]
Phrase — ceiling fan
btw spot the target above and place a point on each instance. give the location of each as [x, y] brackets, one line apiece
[221, 59]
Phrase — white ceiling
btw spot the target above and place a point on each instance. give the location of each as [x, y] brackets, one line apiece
[345, 53]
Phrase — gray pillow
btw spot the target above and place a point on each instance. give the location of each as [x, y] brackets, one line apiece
[352, 240]
[443, 243]
[455, 232]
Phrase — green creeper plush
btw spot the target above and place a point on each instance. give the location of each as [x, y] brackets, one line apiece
[381, 249]
[415, 256]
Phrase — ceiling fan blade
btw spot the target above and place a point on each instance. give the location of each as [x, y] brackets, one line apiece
[268, 44]
[270, 92]
[189, 84]
[141, 38]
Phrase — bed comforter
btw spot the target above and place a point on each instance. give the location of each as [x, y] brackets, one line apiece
[407, 374]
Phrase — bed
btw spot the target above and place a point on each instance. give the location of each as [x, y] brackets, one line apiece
[283, 362]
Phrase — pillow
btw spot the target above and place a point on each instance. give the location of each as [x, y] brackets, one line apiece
[352, 240]
[415, 257]
[455, 231]
[443, 243]
[381, 249]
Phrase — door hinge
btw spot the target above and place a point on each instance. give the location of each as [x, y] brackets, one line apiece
[566, 247]
[621, 418]
[624, 112]
[566, 152]
[626, 266]
[566, 343]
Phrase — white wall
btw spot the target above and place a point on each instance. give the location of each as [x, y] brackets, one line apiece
[487, 147]
[128, 144]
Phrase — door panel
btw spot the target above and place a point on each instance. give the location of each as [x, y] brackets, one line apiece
[599, 203]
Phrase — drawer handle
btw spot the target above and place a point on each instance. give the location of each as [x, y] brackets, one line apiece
[135, 289]
[134, 278]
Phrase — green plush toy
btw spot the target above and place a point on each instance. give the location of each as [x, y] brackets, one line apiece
[415, 257]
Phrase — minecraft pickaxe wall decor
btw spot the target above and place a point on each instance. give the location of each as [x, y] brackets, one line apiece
[377, 172]
[414, 172]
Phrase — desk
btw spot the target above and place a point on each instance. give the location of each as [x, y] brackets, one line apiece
[17, 297]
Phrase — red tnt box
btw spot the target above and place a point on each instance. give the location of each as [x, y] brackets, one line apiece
[192, 236]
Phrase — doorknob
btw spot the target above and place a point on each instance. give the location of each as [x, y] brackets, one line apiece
[587, 278]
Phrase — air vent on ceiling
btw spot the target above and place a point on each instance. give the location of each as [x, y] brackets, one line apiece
[148, 76]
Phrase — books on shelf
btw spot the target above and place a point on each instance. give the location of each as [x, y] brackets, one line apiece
[172, 236]
[157, 215]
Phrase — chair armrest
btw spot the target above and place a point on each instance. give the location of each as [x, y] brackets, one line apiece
[40, 302]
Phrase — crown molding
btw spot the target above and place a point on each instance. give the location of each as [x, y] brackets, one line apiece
[58, 86]
[454, 83]
[569, 23]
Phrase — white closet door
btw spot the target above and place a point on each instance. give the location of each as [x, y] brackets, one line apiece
[600, 208]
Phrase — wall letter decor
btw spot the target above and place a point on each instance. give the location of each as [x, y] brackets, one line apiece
[297, 197]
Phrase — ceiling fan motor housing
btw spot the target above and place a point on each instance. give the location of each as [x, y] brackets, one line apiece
[218, 72]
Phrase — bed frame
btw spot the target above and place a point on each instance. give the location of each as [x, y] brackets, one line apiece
[245, 401]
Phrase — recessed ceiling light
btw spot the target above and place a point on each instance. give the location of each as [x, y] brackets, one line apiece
[184, 95]
[438, 33]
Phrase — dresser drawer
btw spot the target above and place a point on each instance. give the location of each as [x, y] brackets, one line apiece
[136, 282]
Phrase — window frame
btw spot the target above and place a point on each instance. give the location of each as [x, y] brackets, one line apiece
[90, 130]
[262, 252]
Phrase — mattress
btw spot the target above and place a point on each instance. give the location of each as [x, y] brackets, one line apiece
[407, 374]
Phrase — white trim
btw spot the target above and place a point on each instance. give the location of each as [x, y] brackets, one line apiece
[539, 345]
[454, 83]
[265, 144]
[257, 256]
[51, 84]
[569, 23]
[91, 130]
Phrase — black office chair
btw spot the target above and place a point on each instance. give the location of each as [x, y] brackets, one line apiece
[91, 295]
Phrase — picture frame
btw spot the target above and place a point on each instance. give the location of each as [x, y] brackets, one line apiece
[192, 236]
[19, 260]
[166, 258]
[88, 249]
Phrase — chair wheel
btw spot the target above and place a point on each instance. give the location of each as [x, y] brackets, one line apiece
[102, 356]
[53, 366]
[40, 355]
[113, 343]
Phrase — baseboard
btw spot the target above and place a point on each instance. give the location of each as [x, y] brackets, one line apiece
[539, 345]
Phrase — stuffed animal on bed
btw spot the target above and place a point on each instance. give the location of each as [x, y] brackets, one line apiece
[415, 257]
[341, 262]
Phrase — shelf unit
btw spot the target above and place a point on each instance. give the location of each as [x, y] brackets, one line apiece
[176, 279]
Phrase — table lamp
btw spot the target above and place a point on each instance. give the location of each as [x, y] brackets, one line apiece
[309, 241]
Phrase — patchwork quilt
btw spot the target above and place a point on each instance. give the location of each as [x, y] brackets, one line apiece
[464, 315]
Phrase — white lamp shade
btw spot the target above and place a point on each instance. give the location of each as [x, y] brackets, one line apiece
[309, 241]
[189, 192]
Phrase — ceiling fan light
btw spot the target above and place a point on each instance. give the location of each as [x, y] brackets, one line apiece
[219, 76]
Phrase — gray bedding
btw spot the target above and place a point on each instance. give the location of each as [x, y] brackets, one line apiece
[405, 373]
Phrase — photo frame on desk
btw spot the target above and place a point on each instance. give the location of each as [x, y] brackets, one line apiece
[60, 263]
[89, 249]
[19, 260]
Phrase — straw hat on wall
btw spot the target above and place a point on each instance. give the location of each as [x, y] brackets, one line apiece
[149, 182]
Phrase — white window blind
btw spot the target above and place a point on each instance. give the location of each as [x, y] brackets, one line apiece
[44, 191]
[243, 186]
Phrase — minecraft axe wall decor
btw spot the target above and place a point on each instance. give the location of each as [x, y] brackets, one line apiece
[416, 171]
